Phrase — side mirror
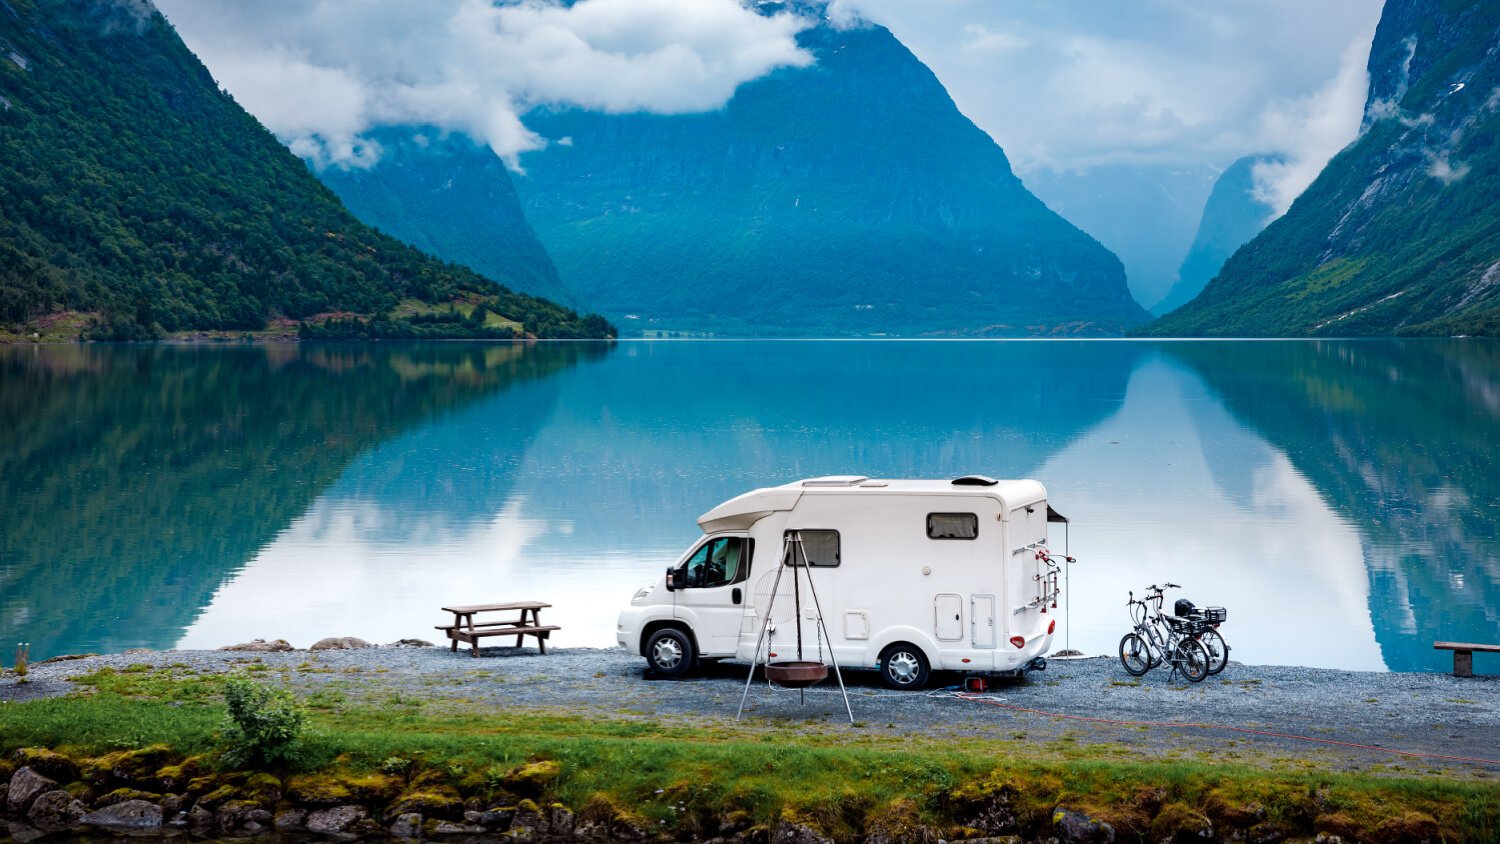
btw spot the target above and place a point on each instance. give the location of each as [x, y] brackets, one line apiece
[673, 582]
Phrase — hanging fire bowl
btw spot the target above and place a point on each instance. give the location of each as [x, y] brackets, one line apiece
[796, 674]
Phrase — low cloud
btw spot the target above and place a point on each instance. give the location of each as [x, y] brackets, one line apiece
[322, 73]
[1440, 167]
[1304, 133]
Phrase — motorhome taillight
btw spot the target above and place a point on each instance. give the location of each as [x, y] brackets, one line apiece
[1051, 627]
[1018, 641]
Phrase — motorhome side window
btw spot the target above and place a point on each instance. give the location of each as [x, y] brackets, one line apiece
[952, 526]
[821, 547]
[718, 562]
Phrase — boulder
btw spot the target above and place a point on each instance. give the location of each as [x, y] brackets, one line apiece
[26, 786]
[289, 820]
[408, 825]
[56, 811]
[47, 763]
[451, 828]
[410, 643]
[787, 832]
[340, 643]
[1077, 828]
[334, 821]
[261, 646]
[23, 833]
[127, 815]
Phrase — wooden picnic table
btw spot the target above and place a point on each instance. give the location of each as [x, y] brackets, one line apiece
[465, 629]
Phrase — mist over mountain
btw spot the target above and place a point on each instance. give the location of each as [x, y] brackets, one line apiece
[1398, 234]
[1145, 214]
[1232, 215]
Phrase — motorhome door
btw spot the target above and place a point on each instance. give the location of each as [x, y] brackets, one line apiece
[713, 595]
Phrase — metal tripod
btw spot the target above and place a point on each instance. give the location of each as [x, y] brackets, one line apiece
[790, 551]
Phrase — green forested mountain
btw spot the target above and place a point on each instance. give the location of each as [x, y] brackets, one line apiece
[1231, 216]
[847, 197]
[449, 197]
[1399, 234]
[132, 187]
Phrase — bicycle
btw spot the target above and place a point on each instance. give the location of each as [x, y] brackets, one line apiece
[1159, 638]
[1206, 621]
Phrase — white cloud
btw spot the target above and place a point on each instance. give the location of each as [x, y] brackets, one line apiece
[322, 73]
[1444, 170]
[1307, 131]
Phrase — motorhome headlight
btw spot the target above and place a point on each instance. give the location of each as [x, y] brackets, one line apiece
[640, 594]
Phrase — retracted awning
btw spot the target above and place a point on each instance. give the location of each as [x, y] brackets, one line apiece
[1054, 516]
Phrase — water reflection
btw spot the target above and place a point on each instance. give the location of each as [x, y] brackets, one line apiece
[1338, 497]
[136, 480]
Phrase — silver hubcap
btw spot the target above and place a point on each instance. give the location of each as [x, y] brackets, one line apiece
[903, 667]
[666, 653]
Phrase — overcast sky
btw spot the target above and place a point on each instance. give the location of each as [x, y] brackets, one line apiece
[1065, 84]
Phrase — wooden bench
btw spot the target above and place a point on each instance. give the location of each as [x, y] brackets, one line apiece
[465, 629]
[1463, 655]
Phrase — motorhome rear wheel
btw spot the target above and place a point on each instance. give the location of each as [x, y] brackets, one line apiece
[904, 666]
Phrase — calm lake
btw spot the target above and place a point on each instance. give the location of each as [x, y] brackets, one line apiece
[1342, 499]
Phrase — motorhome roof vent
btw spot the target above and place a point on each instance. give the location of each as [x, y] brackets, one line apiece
[836, 480]
[974, 480]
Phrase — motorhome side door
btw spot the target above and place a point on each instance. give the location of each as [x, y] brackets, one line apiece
[714, 593]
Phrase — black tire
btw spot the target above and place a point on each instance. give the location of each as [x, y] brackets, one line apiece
[669, 652]
[1191, 658]
[904, 667]
[1218, 650]
[1135, 655]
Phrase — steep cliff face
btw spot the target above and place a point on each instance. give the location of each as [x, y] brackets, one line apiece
[448, 197]
[1399, 234]
[1231, 216]
[848, 197]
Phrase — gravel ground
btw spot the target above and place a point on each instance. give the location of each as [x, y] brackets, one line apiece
[1420, 713]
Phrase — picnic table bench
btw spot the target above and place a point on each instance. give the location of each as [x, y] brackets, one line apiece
[465, 629]
[1463, 655]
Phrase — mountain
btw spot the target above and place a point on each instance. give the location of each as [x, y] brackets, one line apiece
[449, 197]
[1399, 233]
[1144, 214]
[134, 189]
[848, 197]
[1231, 216]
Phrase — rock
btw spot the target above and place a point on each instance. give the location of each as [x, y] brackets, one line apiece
[200, 818]
[233, 814]
[289, 820]
[171, 804]
[560, 821]
[1410, 828]
[410, 643]
[129, 815]
[532, 779]
[336, 820]
[430, 802]
[451, 828]
[527, 824]
[261, 646]
[787, 832]
[56, 811]
[1077, 828]
[23, 833]
[1181, 823]
[137, 651]
[996, 814]
[1269, 832]
[121, 795]
[128, 766]
[26, 786]
[340, 643]
[47, 763]
[408, 825]
[63, 658]
[498, 818]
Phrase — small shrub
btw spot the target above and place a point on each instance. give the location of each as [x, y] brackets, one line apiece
[264, 723]
[23, 657]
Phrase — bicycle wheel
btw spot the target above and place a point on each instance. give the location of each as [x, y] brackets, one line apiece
[1191, 659]
[1135, 655]
[1218, 650]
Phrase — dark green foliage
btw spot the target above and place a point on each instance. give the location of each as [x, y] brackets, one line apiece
[848, 197]
[1399, 234]
[131, 186]
[263, 724]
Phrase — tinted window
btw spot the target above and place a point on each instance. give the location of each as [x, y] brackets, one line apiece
[952, 526]
[718, 562]
[821, 547]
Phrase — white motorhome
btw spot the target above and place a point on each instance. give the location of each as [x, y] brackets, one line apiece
[910, 576]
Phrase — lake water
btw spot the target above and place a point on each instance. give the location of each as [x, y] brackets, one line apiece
[1342, 499]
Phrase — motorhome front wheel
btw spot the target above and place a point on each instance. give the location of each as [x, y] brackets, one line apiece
[904, 666]
[669, 652]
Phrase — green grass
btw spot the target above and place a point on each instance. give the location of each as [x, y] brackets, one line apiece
[688, 771]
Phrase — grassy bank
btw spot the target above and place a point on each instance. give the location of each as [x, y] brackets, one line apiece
[695, 778]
